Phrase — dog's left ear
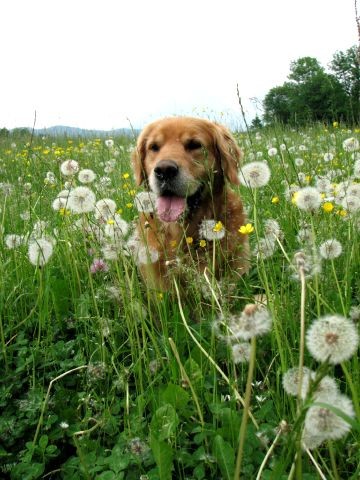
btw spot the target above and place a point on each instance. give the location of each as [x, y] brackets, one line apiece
[228, 153]
[137, 158]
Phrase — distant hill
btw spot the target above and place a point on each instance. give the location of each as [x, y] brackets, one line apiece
[64, 131]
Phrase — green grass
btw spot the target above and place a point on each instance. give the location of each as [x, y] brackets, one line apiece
[105, 379]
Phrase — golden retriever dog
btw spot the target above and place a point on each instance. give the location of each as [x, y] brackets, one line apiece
[188, 163]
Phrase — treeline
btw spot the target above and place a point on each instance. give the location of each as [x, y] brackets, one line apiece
[316, 95]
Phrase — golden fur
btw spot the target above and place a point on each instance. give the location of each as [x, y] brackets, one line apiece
[204, 157]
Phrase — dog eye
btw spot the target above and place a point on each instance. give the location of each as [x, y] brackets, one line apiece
[154, 147]
[193, 144]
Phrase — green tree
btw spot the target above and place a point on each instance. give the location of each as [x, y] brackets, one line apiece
[310, 95]
[346, 68]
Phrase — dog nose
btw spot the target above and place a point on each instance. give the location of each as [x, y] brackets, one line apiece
[166, 170]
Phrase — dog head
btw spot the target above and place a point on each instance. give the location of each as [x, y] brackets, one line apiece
[178, 158]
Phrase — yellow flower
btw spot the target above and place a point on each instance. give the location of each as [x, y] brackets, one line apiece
[328, 207]
[119, 211]
[294, 197]
[173, 243]
[246, 229]
[308, 178]
[160, 296]
[126, 175]
[275, 200]
[202, 243]
[218, 227]
[110, 221]
[129, 205]
[335, 124]
[132, 193]
[342, 213]
[189, 240]
[64, 212]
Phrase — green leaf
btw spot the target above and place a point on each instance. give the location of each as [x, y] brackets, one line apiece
[175, 396]
[163, 456]
[164, 422]
[225, 457]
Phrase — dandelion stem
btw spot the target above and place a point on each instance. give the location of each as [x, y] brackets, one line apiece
[245, 414]
[238, 397]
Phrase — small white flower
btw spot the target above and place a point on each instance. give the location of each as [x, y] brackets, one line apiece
[299, 162]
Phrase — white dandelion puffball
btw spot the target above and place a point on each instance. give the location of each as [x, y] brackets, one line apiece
[351, 144]
[211, 230]
[13, 240]
[109, 143]
[241, 352]
[308, 199]
[330, 249]
[351, 203]
[357, 169]
[146, 255]
[265, 247]
[81, 200]
[328, 157]
[333, 338]
[255, 174]
[291, 381]
[69, 167]
[321, 421]
[116, 228]
[254, 320]
[272, 151]
[40, 251]
[86, 175]
[105, 208]
[145, 202]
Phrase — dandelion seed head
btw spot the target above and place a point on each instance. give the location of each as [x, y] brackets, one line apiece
[321, 421]
[255, 174]
[308, 199]
[255, 320]
[330, 249]
[105, 209]
[265, 247]
[69, 167]
[333, 338]
[81, 200]
[145, 202]
[240, 352]
[211, 230]
[351, 144]
[291, 381]
[40, 251]
[12, 240]
[86, 175]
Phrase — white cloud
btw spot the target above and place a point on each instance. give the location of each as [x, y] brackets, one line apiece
[96, 63]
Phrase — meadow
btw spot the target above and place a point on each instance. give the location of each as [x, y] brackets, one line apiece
[104, 378]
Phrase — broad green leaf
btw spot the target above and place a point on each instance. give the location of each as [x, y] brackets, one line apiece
[225, 457]
[163, 455]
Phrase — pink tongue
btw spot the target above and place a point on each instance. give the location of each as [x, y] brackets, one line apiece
[169, 209]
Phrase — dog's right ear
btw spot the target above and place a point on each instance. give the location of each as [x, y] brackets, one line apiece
[138, 158]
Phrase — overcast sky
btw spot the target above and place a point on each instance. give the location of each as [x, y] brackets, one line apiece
[98, 63]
